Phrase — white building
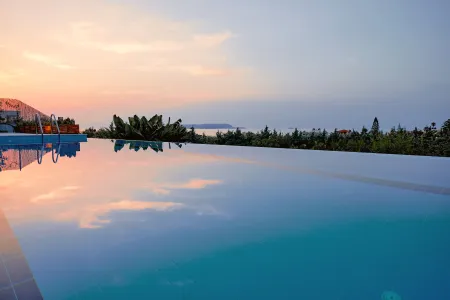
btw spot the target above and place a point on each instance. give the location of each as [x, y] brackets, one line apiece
[10, 116]
[8, 120]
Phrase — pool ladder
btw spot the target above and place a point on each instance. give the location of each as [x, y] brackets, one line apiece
[37, 119]
[41, 154]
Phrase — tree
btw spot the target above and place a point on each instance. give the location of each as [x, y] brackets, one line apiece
[398, 140]
[265, 133]
[375, 127]
[192, 135]
[446, 127]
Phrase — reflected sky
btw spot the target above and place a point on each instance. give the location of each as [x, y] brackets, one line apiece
[120, 220]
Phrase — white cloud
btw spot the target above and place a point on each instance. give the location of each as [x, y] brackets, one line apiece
[213, 40]
[201, 71]
[46, 60]
[158, 46]
[91, 35]
[56, 196]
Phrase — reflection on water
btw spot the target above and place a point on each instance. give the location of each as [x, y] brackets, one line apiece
[213, 222]
[144, 145]
[17, 157]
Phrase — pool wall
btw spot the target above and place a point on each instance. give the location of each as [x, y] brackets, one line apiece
[23, 139]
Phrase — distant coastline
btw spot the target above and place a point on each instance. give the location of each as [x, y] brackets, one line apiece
[211, 126]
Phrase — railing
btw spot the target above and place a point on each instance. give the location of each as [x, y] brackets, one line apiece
[53, 117]
[39, 157]
[37, 119]
[53, 153]
[40, 154]
[53, 121]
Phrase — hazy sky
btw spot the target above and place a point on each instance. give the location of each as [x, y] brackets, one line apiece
[247, 62]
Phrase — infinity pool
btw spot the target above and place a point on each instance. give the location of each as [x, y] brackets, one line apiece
[117, 220]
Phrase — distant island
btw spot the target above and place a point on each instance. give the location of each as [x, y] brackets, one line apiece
[211, 126]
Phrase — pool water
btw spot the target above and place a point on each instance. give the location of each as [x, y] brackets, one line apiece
[140, 220]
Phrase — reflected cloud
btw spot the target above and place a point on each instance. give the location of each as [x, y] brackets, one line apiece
[86, 189]
[193, 184]
[198, 184]
[87, 202]
[94, 216]
[57, 196]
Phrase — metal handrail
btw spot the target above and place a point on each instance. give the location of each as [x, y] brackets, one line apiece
[57, 156]
[42, 153]
[37, 119]
[57, 126]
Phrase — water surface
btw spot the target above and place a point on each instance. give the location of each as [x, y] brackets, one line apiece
[217, 222]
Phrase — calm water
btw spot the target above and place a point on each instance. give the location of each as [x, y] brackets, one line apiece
[212, 132]
[216, 222]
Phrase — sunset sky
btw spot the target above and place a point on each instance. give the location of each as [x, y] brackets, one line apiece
[250, 63]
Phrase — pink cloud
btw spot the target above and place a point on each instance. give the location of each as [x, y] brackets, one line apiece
[193, 184]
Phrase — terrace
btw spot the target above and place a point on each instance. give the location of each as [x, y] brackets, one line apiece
[22, 124]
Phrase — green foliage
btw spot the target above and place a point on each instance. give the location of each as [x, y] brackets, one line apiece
[152, 129]
[21, 122]
[45, 122]
[375, 127]
[90, 132]
[429, 141]
[66, 121]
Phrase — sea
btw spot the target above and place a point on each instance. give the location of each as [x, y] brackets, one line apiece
[212, 132]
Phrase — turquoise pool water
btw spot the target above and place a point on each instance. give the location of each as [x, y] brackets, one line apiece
[215, 222]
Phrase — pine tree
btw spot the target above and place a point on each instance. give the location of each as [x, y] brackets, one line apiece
[375, 127]
[446, 127]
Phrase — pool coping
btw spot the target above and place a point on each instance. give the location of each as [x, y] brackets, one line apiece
[25, 138]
